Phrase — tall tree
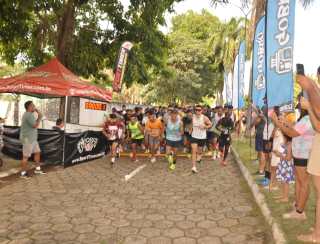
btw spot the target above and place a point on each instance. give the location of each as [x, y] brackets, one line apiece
[84, 34]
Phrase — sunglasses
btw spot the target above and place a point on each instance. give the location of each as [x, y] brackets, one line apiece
[198, 110]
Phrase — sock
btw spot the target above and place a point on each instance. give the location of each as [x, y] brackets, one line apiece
[23, 173]
[38, 168]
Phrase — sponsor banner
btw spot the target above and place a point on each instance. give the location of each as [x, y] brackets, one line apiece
[85, 146]
[258, 64]
[121, 66]
[227, 88]
[50, 142]
[235, 84]
[241, 71]
[280, 16]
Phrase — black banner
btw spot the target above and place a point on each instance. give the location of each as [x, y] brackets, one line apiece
[82, 147]
[50, 142]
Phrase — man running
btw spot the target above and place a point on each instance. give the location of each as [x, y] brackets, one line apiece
[136, 136]
[200, 124]
[29, 138]
[112, 130]
[187, 125]
[218, 115]
[154, 133]
[174, 133]
[225, 126]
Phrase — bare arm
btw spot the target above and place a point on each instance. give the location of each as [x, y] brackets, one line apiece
[313, 91]
[207, 122]
[289, 153]
[313, 118]
[289, 131]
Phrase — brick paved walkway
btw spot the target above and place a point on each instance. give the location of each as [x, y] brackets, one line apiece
[91, 203]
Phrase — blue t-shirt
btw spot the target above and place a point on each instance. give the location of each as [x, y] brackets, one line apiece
[173, 130]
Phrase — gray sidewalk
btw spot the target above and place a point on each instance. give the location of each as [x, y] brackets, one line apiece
[91, 203]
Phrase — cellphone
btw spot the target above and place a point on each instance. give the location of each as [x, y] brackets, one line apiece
[300, 69]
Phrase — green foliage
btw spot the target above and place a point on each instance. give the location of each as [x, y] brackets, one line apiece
[85, 34]
[193, 70]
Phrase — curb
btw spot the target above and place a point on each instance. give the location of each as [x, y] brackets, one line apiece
[277, 233]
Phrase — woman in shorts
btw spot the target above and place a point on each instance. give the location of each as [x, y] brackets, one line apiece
[174, 133]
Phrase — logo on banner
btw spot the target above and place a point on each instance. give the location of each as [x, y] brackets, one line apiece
[87, 144]
[260, 82]
[281, 61]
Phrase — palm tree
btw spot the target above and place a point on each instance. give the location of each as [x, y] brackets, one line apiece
[225, 43]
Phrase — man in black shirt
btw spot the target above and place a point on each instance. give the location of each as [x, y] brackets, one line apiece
[225, 126]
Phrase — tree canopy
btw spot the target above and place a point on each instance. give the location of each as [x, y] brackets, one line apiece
[85, 34]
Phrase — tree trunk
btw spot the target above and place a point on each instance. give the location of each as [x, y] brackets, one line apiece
[66, 25]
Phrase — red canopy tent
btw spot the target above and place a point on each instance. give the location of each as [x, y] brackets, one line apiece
[53, 80]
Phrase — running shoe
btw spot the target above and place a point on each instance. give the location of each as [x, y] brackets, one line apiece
[194, 170]
[172, 166]
[113, 160]
[25, 176]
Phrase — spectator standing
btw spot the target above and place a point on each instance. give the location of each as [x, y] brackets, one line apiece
[29, 138]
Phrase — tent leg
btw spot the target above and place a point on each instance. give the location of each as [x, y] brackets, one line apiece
[65, 129]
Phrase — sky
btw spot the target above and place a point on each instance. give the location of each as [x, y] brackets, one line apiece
[307, 38]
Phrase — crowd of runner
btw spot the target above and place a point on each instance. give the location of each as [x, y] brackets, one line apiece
[170, 129]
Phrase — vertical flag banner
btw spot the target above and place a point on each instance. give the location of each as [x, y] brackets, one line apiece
[241, 71]
[121, 66]
[280, 16]
[258, 64]
[235, 84]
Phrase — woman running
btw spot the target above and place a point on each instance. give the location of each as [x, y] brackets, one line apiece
[174, 133]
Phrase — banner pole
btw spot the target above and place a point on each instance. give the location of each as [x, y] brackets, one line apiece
[65, 128]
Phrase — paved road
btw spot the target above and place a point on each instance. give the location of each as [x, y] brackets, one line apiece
[91, 203]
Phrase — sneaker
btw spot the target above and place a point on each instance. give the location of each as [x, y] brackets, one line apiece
[170, 159]
[172, 167]
[25, 176]
[153, 160]
[194, 170]
[39, 172]
[113, 160]
[258, 173]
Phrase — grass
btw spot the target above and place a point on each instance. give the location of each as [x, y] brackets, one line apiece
[291, 228]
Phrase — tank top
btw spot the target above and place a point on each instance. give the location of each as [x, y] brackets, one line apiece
[173, 130]
[135, 131]
[197, 131]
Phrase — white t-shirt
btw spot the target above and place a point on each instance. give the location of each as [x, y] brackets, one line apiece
[267, 131]
[278, 140]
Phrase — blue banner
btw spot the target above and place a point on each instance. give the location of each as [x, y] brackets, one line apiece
[279, 52]
[235, 84]
[258, 64]
[241, 70]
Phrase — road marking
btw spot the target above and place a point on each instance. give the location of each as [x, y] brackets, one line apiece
[133, 173]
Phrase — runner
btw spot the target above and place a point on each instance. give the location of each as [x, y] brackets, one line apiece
[187, 125]
[135, 131]
[200, 124]
[218, 115]
[174, 133]
[113, 131]
[154, 133]
[225, 126]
